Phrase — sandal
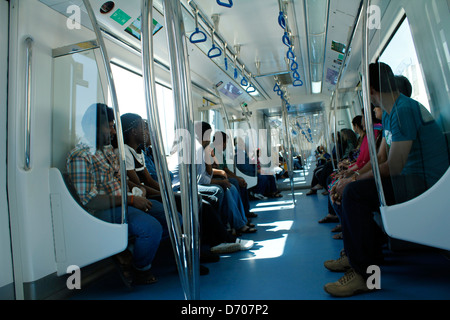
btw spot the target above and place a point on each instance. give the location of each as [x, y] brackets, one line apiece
[123, 266]
[338, 228]
[278, 195]
[338, 236]
[247, 229]
[329, 219]
[251, 215]
[144, 277]
[311, 192]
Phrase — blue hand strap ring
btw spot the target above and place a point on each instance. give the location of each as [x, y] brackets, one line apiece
[197, 32]
[228, 4]
[217, 51]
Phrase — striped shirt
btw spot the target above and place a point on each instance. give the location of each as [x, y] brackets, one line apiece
[94, 173]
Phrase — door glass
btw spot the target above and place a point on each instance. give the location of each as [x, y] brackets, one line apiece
[84, 134]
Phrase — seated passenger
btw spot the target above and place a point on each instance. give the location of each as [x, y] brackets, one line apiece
[363, 164]
[213, 194]
[233, 210]
[267, 185]
[135, 135]
[415, 162]
[221, 169]
[93, 168]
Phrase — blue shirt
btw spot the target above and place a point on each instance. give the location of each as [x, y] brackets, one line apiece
[410, 121]
[148, 156]
[203, 177]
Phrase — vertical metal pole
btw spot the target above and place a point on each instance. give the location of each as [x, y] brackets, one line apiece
[181, 82]
[227, 124]
[28, 85]
[288, 155]
[367, 108]
[112, 87]
[168, 198]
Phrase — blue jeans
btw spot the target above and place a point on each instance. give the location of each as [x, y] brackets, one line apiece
[212, 193]
[233, 208]
[243, 192]
[266, 184]
[146, 229]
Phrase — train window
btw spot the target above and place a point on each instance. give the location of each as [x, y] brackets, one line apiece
[400, 54]
[131, 97]
[414, 140]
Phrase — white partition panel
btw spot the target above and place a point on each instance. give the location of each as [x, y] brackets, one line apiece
[80, 238]
[424, 220]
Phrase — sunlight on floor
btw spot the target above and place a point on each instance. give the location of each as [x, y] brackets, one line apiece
[272, 208]
[271, 248]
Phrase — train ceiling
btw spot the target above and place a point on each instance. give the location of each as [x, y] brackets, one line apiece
[306, 44]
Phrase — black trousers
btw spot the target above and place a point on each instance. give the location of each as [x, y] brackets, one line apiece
[362, 236]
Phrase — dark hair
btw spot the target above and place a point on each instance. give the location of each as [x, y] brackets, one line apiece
[403, 85]
[201, 127]
[372, 112]
[348, 136]
[95, 116]
[224, 136]
[357, 122]
[381, 77]
[129, 121]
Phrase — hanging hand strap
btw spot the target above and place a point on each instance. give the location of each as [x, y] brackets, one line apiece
[228, 4]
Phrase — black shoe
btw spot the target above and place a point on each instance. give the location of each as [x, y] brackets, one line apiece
[208, 256]
[144, 277]
[203, 270]
[123, 266]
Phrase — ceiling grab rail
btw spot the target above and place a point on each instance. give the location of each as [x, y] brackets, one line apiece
[225, 59]
[367, 104]
[115, 103]
[197, 31]
[180, 74]
[214, 52]
[162, 170]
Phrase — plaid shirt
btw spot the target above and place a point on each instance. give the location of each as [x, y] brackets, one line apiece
[94, 173]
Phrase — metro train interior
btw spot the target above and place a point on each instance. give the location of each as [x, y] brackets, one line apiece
[288, 83]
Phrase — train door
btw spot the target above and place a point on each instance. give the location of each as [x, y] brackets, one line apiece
[52, 80]
[6, 274]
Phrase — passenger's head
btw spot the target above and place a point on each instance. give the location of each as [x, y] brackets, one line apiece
[132, 128]
[358, 125]
[403, 85]
[203, 133]
[381, 78]
[382, 81]
[98, 124]
[220, 140]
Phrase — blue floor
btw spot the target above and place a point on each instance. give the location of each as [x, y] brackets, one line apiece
[286, 263]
